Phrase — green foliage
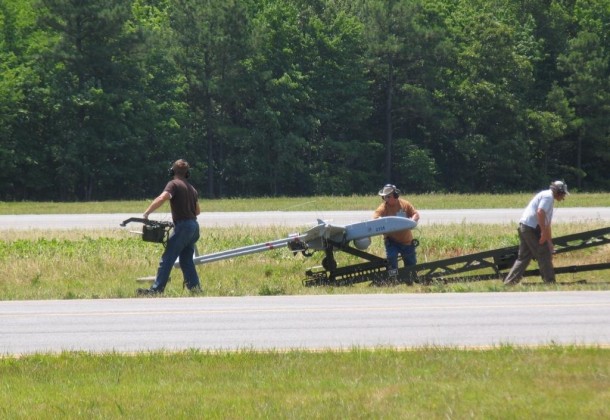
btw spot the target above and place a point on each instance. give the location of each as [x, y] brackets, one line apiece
[416, 169]
[296, 98]
[586, 63]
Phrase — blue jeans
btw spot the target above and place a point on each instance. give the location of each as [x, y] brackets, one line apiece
[393, 248]
[181, 243]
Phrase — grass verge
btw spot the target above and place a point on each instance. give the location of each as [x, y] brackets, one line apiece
[353, 202]
[503, 382]
[105, 264]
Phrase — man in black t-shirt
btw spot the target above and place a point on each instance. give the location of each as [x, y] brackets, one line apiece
[184, 203]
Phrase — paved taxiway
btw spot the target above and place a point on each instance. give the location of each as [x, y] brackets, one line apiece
[306, 322]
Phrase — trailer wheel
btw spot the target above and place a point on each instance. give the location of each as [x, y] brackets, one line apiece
[329, 264]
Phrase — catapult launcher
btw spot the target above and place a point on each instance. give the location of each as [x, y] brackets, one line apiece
[355, 238]
[486, 265]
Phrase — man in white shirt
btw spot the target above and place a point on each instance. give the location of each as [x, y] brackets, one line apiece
[536, 239]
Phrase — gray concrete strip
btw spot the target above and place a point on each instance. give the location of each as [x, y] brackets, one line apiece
[313, 322]
[295, 218]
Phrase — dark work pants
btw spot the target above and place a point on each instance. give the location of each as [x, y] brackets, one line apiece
[529, 247]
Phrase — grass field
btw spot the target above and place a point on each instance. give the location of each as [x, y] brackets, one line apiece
[353, 202]
[105, 264]
[559, 382]
[429, 383]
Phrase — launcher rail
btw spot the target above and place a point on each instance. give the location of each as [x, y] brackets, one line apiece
[487, 264]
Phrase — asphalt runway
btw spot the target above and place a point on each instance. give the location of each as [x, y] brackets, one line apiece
[337, 322]
[296, 219]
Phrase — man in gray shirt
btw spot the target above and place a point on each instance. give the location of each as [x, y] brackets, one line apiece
[536, 239]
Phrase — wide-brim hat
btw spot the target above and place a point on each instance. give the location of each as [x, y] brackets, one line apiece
[388, 189]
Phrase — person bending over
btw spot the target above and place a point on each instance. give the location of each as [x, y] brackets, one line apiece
[400, 242]
[535, 236]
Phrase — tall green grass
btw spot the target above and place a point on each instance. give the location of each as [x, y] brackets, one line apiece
[432, 383]
[105, 264]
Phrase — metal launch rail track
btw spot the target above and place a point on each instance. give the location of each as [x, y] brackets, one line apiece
[486, 265]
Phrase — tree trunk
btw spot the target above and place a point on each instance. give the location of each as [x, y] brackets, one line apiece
[388, 116]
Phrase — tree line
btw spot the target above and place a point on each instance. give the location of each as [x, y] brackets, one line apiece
[302, 97]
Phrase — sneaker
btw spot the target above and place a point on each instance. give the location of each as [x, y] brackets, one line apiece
[148, 292]
[392, 275]
[196, 290]
[512, 282]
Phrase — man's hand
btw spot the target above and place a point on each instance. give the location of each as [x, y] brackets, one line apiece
[543, 239]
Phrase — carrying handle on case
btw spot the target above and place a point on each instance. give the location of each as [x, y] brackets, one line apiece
[146, 222]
